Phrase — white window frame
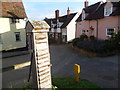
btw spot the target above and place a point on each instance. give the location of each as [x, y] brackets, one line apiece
[105, 11]
[107, 31]
[83, 33]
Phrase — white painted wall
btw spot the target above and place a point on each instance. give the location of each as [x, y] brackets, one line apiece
[8, 29]
[71, 28]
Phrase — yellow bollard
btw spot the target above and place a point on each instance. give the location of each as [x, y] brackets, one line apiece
[77, 72]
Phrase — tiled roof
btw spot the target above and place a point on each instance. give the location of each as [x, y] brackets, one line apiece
[39, 24]
[117, 6]
[91, 8]
[96, 11]
[13, 10]
[68, 19]
[97, 14]
[65, 19]
[79, 18]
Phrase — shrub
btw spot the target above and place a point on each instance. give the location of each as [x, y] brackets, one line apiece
[74, 41]
[116, 40]
[83, 37]
[96, 46]
[92, 38]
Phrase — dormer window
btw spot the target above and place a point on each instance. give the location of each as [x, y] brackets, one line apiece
[83, 15]
[108, 11]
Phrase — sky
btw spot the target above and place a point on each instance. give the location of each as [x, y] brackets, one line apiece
[39, 9]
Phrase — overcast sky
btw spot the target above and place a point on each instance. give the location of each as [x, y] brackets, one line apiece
[39, 9]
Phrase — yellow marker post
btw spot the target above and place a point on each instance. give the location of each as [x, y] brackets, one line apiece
[77, 71]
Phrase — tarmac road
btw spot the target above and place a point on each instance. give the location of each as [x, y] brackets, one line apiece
[100, 70]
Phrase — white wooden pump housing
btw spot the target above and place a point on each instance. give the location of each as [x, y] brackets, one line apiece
[38, 45]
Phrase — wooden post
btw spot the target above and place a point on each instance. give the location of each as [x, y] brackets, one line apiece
[41, 67]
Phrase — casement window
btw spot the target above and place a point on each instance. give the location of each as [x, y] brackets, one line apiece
[108, 11]
[17, 36]
[52, 30]
[56, 36]
[83, 16]
[58, 25]
[80, 23]
[110, 31]
[52, 26]
[84, 32]
[0, 38]
[15, 20]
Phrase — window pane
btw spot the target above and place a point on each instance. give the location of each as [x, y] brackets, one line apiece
[110, 32]
[17, 35]
[83, 31]
[15, 20]
[108, 11]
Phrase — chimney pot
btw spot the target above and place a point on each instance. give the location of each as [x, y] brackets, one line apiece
[68, 11]
[56, 13]
[86, 3]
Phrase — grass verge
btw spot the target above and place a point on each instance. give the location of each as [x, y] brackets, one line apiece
[68, 82]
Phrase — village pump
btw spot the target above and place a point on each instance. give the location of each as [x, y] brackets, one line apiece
[40, 57]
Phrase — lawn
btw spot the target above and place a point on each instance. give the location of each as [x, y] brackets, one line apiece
[68, 82]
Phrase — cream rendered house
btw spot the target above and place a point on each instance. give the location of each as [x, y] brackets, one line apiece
[12, 25]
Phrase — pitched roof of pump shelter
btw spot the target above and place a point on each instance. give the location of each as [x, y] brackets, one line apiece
[39, 24]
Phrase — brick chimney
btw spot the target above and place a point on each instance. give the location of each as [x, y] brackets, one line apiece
[56, 13]
[86, 3]
[68, 11]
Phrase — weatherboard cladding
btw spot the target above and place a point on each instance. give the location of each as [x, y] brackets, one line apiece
[12, 10]
[96, 11]
[65, 19]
